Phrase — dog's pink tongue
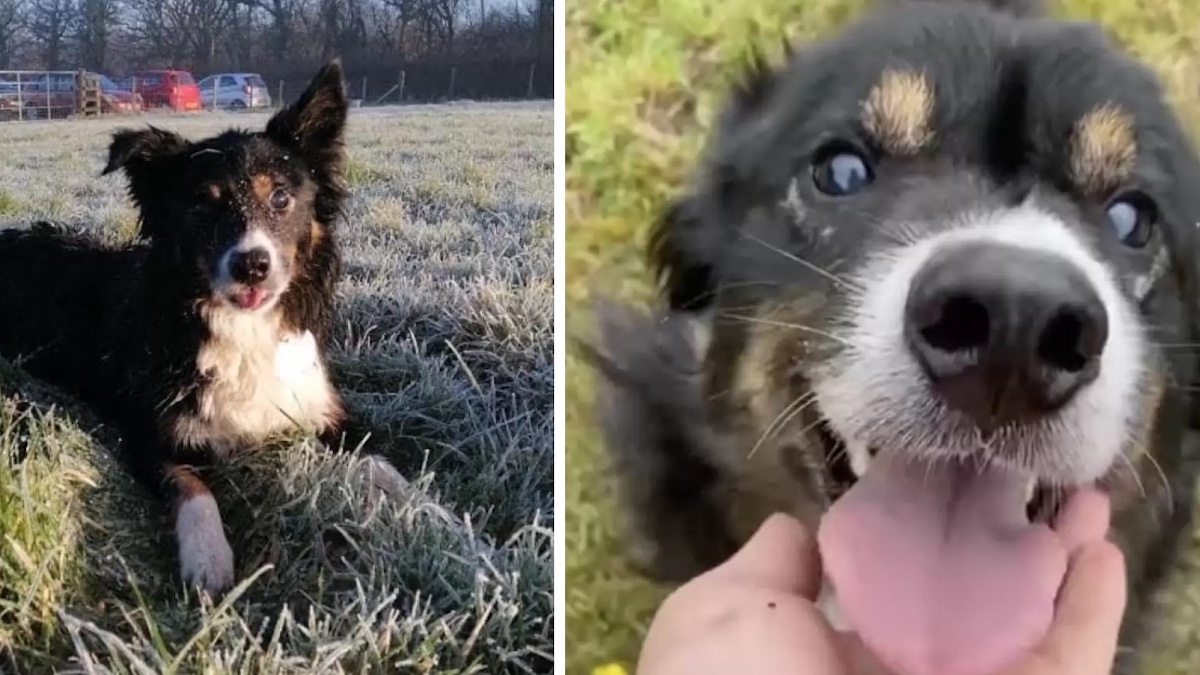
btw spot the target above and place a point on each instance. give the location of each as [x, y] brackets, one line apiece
[937, 568]
[250, 298]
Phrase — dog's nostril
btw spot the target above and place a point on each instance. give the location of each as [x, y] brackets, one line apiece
[1070, 340]
[955, 324]
[259, 261]
[251, 266]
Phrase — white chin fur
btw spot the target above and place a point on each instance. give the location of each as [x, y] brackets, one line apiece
[874, 393]
[223, 283]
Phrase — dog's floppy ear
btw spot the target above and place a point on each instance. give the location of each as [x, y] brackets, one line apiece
[686, 278]
[133, 150]
[142, 155]
[315, 126]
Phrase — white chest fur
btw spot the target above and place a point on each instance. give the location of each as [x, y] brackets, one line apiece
[260, 382]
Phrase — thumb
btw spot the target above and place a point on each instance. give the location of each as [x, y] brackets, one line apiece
[1083, 638]
[782, 555]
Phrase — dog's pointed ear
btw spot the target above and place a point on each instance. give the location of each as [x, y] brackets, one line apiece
[315, 127]
[317, 120]
[130, 149]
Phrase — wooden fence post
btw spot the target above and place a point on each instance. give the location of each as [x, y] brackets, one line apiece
[402, 74]
[453, 76]
[529, 89]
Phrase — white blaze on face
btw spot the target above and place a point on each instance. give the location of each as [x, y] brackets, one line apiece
[253, 239]
[875, 392]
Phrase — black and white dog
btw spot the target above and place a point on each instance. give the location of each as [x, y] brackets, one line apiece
[208, 336]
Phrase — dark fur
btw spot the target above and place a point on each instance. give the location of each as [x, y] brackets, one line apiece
[676, 417]
[122, 328]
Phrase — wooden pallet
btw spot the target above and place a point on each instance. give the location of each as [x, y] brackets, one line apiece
[87, 94]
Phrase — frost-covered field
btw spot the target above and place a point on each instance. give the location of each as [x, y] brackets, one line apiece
[445, 343]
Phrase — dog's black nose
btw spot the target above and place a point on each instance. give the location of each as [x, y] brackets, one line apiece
[1005, 333]
[250, 267]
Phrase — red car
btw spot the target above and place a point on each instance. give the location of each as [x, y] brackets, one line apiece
[173, 89]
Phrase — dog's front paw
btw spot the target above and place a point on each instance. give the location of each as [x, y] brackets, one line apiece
[205, 559]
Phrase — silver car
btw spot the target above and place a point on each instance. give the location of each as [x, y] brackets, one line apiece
[234, 90]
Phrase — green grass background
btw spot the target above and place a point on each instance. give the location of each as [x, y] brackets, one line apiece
[644, 79]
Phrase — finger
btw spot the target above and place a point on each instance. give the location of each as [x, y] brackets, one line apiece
[1084, 518]
[781, 556]
[751, 636]
[1083, 637]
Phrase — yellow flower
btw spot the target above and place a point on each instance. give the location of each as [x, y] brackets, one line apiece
[610, 669]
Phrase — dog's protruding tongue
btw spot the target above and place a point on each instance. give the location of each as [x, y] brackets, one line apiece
[250, 298]
[938, 569]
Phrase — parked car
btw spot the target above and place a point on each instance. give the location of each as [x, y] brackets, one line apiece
[114, 99]
[52, 95]
[10, 101]
[234, 90]
[175, 89]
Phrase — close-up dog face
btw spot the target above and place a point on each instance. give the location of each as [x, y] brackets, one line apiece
[243, 211]
[925, 248]
[941, 275]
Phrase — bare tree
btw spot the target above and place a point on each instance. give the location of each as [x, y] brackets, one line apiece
[343, 27]
[282, 16]
[97, 19]
[397, 36]
[242, 34]
[182, 32]
[543, 32]
[497, 45]
[148, 30]
[440, 22]
[11, 17]
[50, 23]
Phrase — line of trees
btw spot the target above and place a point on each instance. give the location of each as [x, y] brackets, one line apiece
[270, 36]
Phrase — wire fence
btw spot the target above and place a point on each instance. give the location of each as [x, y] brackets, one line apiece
[40, 94]
[432, 82]
[58, 94]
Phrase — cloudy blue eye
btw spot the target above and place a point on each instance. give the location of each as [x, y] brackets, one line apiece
[840, 170]
[1132, 216]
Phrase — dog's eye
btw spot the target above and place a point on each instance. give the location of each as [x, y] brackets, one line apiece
[1132, 216]
[840, 170]
[280, 199]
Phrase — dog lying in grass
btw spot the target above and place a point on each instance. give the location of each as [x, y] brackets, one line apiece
[931, 274]
[208, 335]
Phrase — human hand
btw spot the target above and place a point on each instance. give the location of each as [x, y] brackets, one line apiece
[756, 613]
[1087, 619]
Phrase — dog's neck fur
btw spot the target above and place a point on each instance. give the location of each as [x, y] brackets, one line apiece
[260, 379]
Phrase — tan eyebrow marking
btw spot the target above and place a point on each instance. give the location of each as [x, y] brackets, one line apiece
[263, 185]
[1103, 150]
[898, 112]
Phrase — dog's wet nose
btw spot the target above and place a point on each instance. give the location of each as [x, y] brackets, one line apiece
[250, 266]
[1005, 333]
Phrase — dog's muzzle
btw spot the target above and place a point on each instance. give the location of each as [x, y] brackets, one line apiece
[1005, 334]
